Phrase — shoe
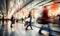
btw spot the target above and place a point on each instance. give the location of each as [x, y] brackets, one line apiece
[26, 29]
[40, 32]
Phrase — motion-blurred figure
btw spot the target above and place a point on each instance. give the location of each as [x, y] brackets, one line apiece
[12, 22]
[3, 21]
[58, 20]
[22, 20]
[30, 22]
[45, 19]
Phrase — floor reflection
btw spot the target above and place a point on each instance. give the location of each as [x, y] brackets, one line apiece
[19, 30]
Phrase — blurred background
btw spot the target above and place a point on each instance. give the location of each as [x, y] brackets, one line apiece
[20, 9]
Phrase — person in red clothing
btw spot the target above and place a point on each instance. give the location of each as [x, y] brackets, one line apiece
[45, 14]
[45, 19]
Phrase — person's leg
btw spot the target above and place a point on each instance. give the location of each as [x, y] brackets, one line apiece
[49, 29]
[41, 29]
[30, 24]
[27, 27]
[11, 27]
[31, 27]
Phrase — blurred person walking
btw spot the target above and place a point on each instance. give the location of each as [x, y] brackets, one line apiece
[3, 21]
[45, 19]
[30, 22]
[12, 22]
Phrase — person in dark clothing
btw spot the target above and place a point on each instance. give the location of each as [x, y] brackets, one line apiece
[3, 21]
[22, 20]
[30, 22]
[45, 19]
[58, 20]
[12, 22]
